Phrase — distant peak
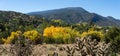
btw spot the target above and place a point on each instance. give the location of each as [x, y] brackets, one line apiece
[75, 8]
[110, 17]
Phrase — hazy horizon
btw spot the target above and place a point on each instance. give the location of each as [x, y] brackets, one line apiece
[102, 7]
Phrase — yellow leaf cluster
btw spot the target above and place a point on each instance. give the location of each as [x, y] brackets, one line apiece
[57, 20]
[11, 37]
[92, 32]
[60, 32]
[32, 35]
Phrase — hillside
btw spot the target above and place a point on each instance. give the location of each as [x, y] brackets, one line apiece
[12, 21]
[77, 15]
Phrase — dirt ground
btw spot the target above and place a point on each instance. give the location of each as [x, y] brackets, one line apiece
[40, 50]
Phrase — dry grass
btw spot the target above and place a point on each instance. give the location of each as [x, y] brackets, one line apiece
[83, 47]
[38, 50]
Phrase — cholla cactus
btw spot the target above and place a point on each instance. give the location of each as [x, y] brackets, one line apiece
[22, 47]
[87, 46]
[91, 47]
[70, 51]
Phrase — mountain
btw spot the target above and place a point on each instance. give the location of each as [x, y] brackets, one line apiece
[77, 15]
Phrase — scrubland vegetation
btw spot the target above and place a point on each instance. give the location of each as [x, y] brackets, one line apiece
[36, 37]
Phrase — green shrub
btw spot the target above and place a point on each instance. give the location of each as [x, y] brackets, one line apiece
[113, 36]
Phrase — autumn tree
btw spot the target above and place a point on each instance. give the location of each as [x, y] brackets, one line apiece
[33, 35]
[10, 38]
[94, 34]
[60, 34]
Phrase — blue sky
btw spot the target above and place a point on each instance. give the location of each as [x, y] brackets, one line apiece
[102, 7]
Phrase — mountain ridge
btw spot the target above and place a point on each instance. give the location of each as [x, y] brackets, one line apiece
[76, 15]
[69, 15]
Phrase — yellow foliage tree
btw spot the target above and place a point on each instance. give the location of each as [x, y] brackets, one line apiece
[60, 33]
[93, 33]
[32, 35]
[11, 37]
